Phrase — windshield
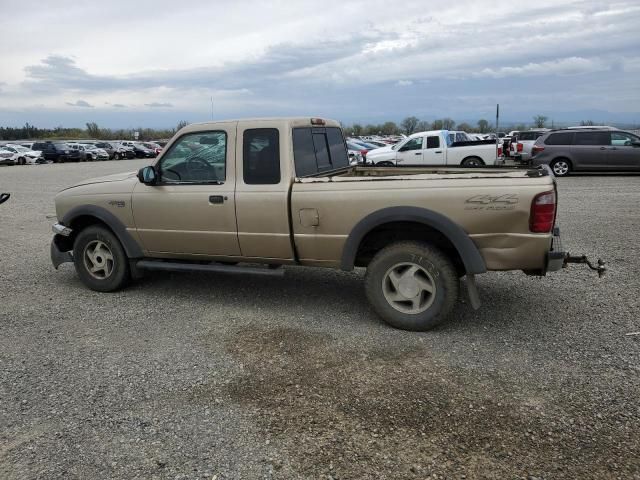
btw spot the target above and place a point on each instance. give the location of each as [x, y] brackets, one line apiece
[18, 148]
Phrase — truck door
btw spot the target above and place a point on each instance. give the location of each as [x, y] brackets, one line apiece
[433, 151]
[411, 152]
[262, 191]
[191, 210]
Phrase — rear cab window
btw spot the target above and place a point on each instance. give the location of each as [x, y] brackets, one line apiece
[318, 149]
[261, 156]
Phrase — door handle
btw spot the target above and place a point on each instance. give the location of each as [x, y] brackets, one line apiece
[603, 148]
[438, 151]
[418, 153]
[216, 199]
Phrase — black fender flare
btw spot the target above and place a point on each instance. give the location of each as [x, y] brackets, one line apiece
[130, 246]
[473, 261]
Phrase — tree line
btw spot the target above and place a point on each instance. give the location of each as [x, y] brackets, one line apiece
[92, 131]
[408, 126]
[413, 124]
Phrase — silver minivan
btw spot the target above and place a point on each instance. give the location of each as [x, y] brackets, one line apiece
[570, 150]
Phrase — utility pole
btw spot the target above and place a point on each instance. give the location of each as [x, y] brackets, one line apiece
[497, 128]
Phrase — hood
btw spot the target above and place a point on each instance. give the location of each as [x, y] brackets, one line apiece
[380, 151]
[117, 177]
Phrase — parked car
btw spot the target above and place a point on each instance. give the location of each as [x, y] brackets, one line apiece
[122, 151]
[574, 150]
[520, 146]
[139, 149]
[459, 137]
[7, 158]
[25, 155]
[434, 148]
[89, 152]
[57, 152]
[153, 146]
[287, 196]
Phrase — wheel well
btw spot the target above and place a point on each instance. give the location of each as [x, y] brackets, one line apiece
[77, 225]
[562, 158]
[392, 232]
[470, 157]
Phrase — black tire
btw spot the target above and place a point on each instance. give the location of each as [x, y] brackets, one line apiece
[432, 265]
[472, 162]
[22, 161]
[561, 167]
[385, 164]
[116, 156]
[116, 272]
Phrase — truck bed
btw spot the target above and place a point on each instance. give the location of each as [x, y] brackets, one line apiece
[358, 173]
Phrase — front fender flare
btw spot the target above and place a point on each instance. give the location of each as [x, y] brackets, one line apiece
[130, 246]
[471, 258]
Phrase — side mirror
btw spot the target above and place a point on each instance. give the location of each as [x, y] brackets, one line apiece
[147, 175]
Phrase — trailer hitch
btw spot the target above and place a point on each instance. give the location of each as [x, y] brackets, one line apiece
[600, 267]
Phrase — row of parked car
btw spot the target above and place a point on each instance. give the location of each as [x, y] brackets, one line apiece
[31, 153]
[593, 148]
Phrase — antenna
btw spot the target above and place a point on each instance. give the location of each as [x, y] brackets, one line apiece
[212, 107]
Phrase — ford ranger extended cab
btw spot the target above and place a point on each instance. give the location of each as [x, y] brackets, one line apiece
[436, 147]
[279, 192]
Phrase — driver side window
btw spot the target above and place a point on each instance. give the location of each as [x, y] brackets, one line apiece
[622, 139]
[413, 144]
[199, 157]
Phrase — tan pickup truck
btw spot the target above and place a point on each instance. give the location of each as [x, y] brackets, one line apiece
[225, 195]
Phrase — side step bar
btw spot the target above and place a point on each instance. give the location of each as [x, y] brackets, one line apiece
[212, 267]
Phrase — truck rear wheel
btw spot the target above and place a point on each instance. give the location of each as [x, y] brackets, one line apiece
[100, 260]
[472, 162]
[412, 285]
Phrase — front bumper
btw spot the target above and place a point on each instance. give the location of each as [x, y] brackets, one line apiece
[61, 245]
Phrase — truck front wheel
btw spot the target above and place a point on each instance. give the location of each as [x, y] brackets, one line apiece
[412, 285]
[100, 260]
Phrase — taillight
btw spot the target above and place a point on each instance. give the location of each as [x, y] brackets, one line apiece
[543, 212]
[519, 147]
[536, 149]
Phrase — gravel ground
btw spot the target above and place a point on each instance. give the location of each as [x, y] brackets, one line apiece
[186, 376]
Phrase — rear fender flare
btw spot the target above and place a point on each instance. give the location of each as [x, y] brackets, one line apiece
[473, 261]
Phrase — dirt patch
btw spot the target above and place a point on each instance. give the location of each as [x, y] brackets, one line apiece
[331, 410]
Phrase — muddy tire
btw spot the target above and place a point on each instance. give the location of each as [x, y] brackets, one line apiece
[412, 285]
[100, 260]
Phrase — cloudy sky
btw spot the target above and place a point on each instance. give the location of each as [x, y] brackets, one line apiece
[153, 63]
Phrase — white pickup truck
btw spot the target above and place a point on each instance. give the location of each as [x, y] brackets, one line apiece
[435, 148]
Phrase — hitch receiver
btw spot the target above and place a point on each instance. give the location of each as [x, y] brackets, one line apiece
[600, 267]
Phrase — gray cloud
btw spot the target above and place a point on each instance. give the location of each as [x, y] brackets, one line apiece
[79, 103]
[158, 105]
[118, 105]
